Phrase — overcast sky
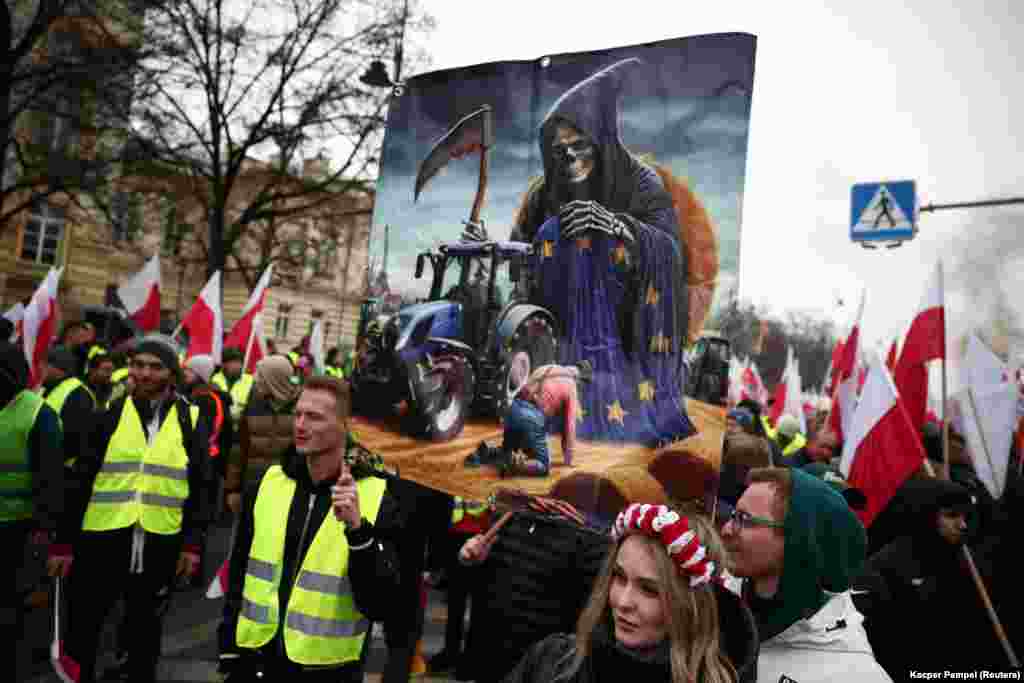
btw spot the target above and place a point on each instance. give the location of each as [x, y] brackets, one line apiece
[844, 92]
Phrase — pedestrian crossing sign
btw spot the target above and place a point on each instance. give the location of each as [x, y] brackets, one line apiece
[883, 212]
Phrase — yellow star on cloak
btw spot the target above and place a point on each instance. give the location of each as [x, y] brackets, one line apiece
[652, 295]
[583, 243]
[547, 249]
[581, 414]
[646, 390]
[619, 254]
[656, 342]
[617, 414]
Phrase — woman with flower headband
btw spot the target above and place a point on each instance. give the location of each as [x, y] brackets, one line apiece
[658, 611]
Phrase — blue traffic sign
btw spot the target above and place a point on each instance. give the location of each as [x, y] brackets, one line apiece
[883, 212]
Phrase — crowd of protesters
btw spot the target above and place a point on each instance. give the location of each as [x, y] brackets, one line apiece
[118, 464]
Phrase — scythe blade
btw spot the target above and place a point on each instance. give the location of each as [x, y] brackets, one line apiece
[473, 132]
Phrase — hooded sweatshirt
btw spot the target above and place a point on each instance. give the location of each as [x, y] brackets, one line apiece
[926, 581]
[811, 630]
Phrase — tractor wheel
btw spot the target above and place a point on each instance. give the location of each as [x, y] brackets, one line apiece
[443, 396]
[532, 345]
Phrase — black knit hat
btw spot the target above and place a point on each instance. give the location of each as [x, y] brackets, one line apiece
[163, 347]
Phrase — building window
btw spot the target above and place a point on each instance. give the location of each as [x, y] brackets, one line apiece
[43, 234]
[126, 216]
[284, 312]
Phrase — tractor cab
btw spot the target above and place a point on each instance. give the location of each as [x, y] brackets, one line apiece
[708, 376]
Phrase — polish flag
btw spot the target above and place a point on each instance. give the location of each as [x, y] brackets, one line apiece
[925, 341]
[39, 325]
[760, 393]
[316, 347]
[140, 295]
[205, 322]
[833, 367]
[66, 668]
[845, 392]
[883, 447]
[242, 330]
[219, 586]
[257, 347]
[890, 360]
[795, 394]
[15, 314]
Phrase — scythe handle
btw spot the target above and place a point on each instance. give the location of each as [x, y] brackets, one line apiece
[486, 140]
[481, 189]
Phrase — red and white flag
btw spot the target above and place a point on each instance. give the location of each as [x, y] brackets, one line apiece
[241, 332]
[988, 407]
[66, 668]
[15, 314]
[205, 322]
[833, 367]
[39, 326]
[883, 448]
[845, 393]
[925, 341]
[257, 347]
[795, 393]
[890, 360]
[140, 295]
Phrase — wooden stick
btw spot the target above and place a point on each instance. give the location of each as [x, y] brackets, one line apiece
[493, 531]
[979, 583]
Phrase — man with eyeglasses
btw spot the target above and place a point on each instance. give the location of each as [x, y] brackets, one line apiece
[797, 545]
[146, 479]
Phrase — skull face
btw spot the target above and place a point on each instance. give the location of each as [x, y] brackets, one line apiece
[573, 153]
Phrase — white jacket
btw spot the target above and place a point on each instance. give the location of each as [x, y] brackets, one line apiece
[830, 646]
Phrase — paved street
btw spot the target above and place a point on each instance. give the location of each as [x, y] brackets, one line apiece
[190, 634]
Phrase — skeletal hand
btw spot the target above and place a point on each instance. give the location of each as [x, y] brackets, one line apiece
[579, 217]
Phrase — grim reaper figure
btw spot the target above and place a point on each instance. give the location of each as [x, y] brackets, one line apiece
[609, 262]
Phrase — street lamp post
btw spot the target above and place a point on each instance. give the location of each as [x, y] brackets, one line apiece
[377, 75]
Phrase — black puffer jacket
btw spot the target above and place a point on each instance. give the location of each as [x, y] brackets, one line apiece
[533, 584]
[550, 658]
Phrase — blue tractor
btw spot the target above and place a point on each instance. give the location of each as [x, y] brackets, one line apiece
[464, 350]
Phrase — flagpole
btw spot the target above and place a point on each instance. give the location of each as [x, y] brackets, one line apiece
[945, 391]
[979, 583]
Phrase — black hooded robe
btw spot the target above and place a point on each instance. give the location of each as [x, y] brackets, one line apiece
[622, 306]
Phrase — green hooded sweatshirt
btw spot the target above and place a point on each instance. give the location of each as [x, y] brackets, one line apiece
[824, 550]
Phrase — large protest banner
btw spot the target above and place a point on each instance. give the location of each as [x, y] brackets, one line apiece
[578, 207]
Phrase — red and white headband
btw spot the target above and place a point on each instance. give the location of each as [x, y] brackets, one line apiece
[681, 542]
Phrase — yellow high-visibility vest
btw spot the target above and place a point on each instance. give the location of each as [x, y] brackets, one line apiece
[462, 508]
[239, 392]
[321, 623]
[16, 421]
[56, 399]
[141, 483]
[798, 442]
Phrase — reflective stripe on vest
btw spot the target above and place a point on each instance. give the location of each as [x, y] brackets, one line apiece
[138, 482]
[322, 625]
[59, 395]
[16, 421]
[239, 391]
[798, 442]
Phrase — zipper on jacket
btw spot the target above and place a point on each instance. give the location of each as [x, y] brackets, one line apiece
[298, 566]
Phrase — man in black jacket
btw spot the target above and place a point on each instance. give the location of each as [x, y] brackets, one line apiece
[313, 563]
[144, 484]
